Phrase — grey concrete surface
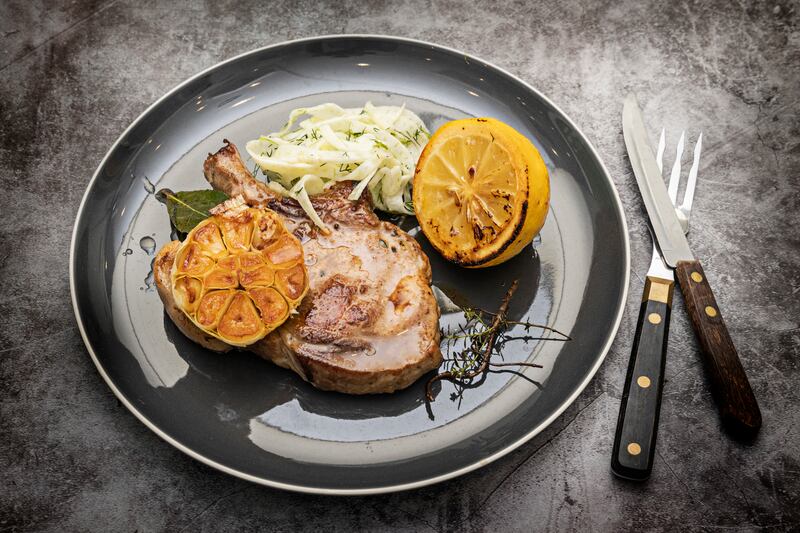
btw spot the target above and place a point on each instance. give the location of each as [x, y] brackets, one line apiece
[74, 75]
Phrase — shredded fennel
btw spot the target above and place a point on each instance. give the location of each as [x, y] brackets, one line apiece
[376, 146]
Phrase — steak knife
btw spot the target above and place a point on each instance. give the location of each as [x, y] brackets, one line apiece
[730, 387]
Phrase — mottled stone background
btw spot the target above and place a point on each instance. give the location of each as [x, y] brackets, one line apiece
[73, 75]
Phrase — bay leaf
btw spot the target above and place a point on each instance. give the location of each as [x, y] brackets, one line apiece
[187, 209]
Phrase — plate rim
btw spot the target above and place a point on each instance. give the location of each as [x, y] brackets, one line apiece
[308, 489]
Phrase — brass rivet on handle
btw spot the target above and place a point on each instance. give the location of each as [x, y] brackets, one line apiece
[654, 318]
[697, 277]
[710, 311]
[643, 382]
[634, 448]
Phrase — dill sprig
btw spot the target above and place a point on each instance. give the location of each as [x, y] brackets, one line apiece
[350, 134]
[268, 151]
[411, 138]
[483, 334]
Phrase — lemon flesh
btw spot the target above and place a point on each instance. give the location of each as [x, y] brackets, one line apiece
[481, 192]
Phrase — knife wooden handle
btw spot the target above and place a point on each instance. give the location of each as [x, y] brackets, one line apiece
[637, 425]
[737, 403]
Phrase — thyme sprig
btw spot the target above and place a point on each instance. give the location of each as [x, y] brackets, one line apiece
[483, 334]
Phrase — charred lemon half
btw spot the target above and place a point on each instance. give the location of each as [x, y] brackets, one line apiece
[239, 273]
[481, 192]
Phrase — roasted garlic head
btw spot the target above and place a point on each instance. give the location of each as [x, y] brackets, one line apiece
[239, 273]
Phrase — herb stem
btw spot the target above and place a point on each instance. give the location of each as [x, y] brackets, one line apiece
[532, 365]
[497, 321]
[546, 328]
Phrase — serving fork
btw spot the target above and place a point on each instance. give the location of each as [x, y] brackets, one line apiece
[637, 426]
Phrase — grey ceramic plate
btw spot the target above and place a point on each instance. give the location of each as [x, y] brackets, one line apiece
[249, 418]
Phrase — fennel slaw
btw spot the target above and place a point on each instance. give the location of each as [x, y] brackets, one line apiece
[375, 146]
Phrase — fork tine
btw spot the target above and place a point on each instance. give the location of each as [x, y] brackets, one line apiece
[688, 196]
[660, 151]
[675, 176]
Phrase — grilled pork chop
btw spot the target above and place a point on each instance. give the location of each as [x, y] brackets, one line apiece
[369, 323]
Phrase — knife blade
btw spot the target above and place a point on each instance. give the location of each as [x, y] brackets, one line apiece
[729, 383]
[671, 241]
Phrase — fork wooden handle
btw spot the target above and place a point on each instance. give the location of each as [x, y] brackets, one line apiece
[737, 404]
